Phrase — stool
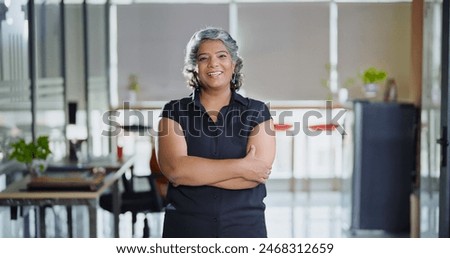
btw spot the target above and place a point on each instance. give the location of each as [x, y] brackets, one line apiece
[325, 128]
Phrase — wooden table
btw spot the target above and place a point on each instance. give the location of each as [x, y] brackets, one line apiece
[16, 194]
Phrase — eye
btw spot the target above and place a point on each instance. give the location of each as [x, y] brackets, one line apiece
[201, 59]
[222, 56]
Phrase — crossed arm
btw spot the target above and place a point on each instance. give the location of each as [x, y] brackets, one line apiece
[241, 173]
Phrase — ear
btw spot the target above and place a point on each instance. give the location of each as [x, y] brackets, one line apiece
[197, 81]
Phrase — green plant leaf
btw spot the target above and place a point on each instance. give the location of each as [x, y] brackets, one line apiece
[42, 148]
[25, 152]
[372, 75]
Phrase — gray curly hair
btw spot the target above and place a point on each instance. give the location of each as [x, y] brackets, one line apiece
[190, 60]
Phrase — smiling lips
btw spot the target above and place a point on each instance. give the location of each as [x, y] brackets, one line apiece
[214, 74]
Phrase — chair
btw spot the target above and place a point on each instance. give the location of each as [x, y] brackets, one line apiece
[136, 202]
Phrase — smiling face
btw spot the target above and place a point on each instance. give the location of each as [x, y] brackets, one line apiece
[214, 65]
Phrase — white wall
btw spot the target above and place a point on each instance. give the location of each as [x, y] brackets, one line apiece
[376, 35]
[285, 46]
[151, 43]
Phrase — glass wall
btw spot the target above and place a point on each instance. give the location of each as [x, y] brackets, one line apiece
[430, 116]
[51, 53]
[97, 75]
[15, 91]
[67, 57]
[49, 96]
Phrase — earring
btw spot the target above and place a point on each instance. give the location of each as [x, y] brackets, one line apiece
[233, 81]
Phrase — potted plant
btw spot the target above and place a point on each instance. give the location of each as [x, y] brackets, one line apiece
[133, 88]
[371, 77]
[33, 154]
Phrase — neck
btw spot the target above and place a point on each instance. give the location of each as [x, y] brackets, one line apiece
[215, 100]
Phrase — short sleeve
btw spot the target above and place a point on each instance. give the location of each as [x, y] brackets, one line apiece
[170, 110]
[265, 113]
[261, 112]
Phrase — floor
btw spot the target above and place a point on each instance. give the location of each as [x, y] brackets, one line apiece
[304, 214]
[288, 215]
[315, 214]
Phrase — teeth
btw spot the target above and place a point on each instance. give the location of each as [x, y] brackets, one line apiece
[214, 73]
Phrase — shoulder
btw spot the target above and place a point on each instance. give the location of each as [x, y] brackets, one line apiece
[256, 108]
[177, 104]
[250, 103]
[176, 108]
[256, 103]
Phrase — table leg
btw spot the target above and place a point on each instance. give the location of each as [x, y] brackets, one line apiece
[36, 221]
[69, 221]
[293, 183]
[116, 203]
[41, 216]
[13, 212]
[92, 210]
[26, 223]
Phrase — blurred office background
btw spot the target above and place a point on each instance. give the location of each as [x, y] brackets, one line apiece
[299, 57]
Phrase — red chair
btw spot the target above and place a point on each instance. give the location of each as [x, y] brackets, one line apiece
[323, 127]
[282, 127]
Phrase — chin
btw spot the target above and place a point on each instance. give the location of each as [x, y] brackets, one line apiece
[217, 85]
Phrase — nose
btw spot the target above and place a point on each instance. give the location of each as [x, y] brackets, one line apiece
[213, 62]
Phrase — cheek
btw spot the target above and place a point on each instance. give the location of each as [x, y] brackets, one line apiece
[200, 71]
[198, 68]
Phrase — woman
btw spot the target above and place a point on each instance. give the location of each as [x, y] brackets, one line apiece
[215, 147]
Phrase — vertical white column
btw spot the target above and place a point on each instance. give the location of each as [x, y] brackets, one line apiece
[233, 20]
[333, 47]
[114, 91]
[334, 83]
[4, 221]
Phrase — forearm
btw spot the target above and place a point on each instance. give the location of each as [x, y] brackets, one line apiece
[236, 184]
[196, 171]
[182, 169]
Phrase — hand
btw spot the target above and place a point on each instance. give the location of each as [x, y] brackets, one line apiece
[255, 169]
